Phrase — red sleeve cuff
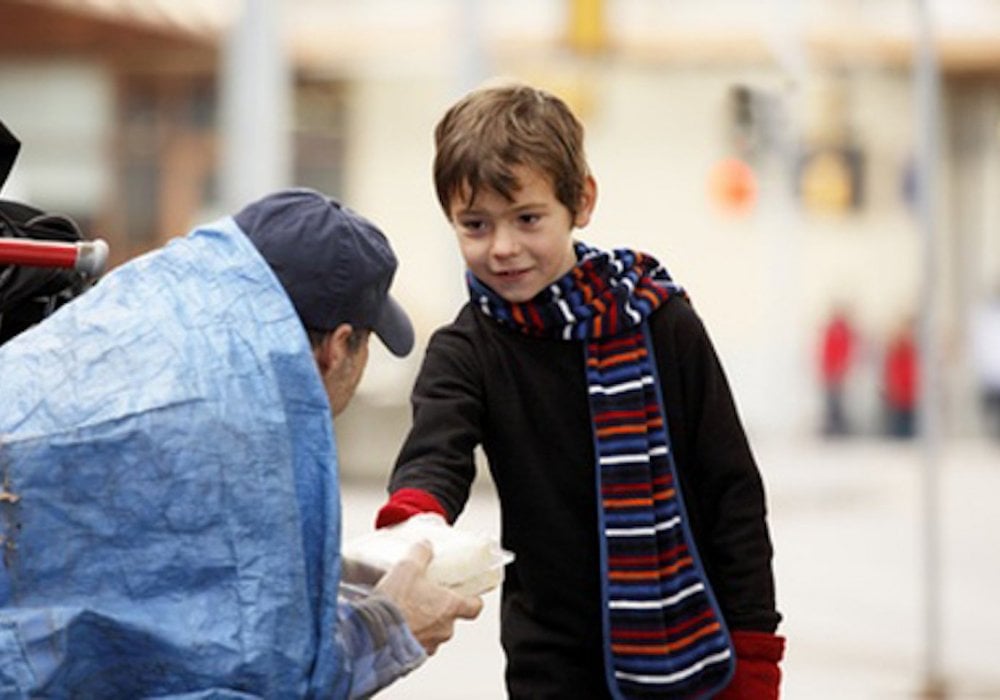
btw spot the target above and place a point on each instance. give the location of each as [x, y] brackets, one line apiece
[406, 503]
[757, 676]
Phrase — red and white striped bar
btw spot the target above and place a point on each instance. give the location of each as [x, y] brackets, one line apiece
[88, 257]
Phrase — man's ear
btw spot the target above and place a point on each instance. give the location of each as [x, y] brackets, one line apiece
[333, 349]
[588, 200]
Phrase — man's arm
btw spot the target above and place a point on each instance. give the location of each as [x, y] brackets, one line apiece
[430, 610]
[378, 646]
[392, 631]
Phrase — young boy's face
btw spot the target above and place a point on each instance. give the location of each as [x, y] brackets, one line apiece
[519, 247]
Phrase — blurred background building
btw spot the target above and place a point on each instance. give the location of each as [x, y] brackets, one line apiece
[766, 152]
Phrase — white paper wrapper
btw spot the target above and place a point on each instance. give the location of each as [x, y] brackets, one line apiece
[469, 563]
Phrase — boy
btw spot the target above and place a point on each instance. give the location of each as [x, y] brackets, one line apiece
[628, 491]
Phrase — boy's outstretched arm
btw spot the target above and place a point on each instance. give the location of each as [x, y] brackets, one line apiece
[436, 467]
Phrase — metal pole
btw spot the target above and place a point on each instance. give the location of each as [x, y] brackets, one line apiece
[926, 84]
[472, 62]
[256, 105]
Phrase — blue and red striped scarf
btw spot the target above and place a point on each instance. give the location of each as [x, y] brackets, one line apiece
[664, 634]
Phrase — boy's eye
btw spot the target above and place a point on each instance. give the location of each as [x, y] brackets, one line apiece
[472, 225]
[529, 218]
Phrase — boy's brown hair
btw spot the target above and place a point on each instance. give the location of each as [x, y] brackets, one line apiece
[493, 129]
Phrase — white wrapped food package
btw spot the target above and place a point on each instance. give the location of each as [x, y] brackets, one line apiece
[467, 562]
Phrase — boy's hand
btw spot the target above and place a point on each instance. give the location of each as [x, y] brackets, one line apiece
[430, 610]
[404, 504]
[758, 676]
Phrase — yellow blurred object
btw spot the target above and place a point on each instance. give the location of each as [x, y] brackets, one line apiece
[587, 29]
[827, 183]
[574, 84]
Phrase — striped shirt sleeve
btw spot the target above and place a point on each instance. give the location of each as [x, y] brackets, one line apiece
[378, 646]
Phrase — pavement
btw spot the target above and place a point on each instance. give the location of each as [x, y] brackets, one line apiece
[869, 611]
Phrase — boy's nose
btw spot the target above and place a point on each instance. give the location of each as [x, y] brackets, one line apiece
[505, 243]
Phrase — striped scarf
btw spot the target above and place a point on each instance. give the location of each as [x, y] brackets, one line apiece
[664, 634]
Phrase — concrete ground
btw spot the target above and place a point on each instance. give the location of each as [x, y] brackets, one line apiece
[850, 526]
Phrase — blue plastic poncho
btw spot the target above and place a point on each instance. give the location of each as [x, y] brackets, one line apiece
[169, 503]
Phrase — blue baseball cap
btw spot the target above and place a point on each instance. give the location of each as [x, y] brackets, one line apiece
[335, 265]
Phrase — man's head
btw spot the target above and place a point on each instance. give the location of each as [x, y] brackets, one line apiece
[484, 136]
[336, 267]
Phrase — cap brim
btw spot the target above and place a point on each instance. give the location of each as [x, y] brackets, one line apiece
[394, 328]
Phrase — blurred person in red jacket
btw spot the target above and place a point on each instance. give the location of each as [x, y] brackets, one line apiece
[836, 356]
[900, 382]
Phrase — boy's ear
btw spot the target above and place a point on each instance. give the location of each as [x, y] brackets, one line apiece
[588, 199]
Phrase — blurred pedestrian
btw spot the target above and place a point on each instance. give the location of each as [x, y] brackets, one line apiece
[986, 360]
[836, 355]
[900, 376]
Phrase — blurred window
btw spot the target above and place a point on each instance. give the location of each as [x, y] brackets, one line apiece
[166, 154]
[320, 134]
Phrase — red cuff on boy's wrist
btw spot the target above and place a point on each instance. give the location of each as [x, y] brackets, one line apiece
[757, 676]
[759, 646]
[404, 504]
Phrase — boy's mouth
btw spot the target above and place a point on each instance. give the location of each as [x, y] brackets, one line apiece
[511, 274]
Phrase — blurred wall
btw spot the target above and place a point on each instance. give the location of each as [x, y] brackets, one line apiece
[657, 104]
[62, 111]
[763, 282]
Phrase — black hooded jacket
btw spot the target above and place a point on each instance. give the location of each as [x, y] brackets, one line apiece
[524, 400]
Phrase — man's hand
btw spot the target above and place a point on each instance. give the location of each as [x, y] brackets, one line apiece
[359, 573]
[430, 610]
